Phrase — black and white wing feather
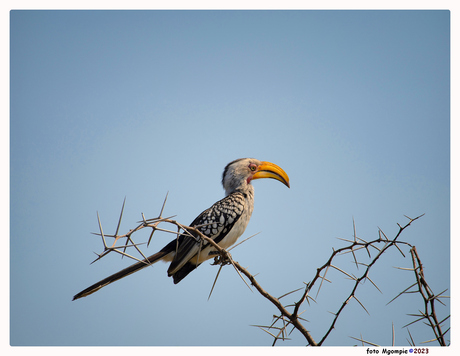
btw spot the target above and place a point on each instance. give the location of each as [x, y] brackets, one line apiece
[221, 223]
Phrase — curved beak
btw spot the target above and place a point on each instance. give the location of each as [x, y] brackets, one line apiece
[271, 170]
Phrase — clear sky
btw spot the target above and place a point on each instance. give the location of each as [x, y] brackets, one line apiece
[353, 105]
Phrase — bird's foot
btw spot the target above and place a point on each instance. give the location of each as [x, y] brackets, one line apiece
[220, 259]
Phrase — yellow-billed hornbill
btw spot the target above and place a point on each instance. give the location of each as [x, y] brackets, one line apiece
[224, 222]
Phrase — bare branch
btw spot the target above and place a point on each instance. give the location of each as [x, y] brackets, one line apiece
[287, 319]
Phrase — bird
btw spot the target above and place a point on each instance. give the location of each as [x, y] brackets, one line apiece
[224, 222]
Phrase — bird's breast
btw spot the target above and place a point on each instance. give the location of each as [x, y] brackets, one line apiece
[238, 229]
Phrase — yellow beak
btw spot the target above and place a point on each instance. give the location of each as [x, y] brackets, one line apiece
[271, 170]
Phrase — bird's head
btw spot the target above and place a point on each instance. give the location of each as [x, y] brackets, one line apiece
[239, 173]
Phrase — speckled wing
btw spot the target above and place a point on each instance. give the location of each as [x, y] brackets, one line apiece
[215, 223]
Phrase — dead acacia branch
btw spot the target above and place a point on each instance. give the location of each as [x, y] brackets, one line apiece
[289, 313]
[429, 299]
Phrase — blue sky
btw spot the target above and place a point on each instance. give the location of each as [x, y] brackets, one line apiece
[353, 105]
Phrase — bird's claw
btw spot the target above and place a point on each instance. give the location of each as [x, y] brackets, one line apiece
[220, 259]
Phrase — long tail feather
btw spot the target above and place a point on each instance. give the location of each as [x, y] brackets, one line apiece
[121, 274]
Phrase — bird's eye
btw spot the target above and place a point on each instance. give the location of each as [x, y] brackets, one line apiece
[252, 167]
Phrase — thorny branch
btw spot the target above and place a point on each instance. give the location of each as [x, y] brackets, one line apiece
[429, 298]
[292, 318]
[355, 245]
